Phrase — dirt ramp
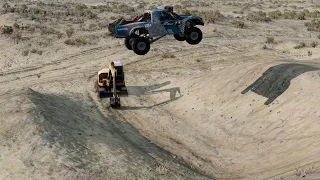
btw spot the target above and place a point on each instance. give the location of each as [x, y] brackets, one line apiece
[50, 136]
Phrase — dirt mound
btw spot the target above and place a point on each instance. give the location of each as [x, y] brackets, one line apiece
[53, 136]
[229, 132]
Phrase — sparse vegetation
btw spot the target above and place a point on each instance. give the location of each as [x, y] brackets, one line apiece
[7, 29]
[70, 32]
[16, 36]
[275, 14]
[270, 40]
[47, 31]
[313, 25]
[78, 41]
[300, 45]
[314, 44]
[25, 53]
[238, 24]
[258, 17]
[208, 16]
[168, 55]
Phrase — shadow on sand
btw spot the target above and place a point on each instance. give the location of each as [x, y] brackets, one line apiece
[276, 80]
[145, 90]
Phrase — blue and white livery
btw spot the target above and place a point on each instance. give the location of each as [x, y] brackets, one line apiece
[156, 24]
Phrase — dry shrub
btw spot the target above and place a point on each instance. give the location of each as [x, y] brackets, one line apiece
[16, 36]
[314, 44]
[16, 26]
[313, 25]
[7, 29]
[36, 51]
[70, 32]
[78, 41]
[47, 31]
[39, 52]
[25, 53]
[270, 40]
[168, 55]
[300, 45]
[258, 17]
[238, 24]
[59, 35]
[33, 51]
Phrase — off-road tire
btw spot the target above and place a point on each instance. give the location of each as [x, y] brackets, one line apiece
[179, 37]
[141, 46]
[193, 35]
[129, 41]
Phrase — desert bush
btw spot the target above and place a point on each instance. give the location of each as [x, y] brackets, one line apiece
[314, 44]
[40, 52]
[264, 47]
[31, 29]
[270, 40]
[25, 53]
[275, 14]
[7, 29]
[59, 35]
[16, 25]
[90, 15]
[47, 31]
[168, 55]
[258, 17]
[293, 7]
[33, 51]
[16, 36]
[208, 16]
[93, 27]
[5, 5]
[313, 25]
[177, 6]
[78, 41]
[238, 24]
[70, 32]
[301, 16]
[102, 25]
[318, 36]
[300, 45]
[289, 15]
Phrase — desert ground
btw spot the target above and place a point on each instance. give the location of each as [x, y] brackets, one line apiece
[242, 104]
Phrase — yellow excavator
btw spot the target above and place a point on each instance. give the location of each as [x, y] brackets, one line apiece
[111, 83]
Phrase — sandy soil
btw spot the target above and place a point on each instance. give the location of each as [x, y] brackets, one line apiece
[226, 108]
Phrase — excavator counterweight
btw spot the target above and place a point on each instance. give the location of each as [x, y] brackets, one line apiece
[111, 83]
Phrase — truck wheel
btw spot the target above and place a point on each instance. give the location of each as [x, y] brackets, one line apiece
[141, 45]
[179, 37]
[193, 35]
[129, 41]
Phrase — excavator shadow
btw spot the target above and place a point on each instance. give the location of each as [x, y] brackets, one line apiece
[146, 90]
[276, 80]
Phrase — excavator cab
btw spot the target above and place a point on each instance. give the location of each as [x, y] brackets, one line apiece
[105, 82]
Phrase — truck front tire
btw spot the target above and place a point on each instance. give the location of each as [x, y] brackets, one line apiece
[193, 35]
[141, 46]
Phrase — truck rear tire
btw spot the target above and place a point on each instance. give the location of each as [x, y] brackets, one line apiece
[141, 46]
[129, 41]
[179, 37]
[193, 35]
